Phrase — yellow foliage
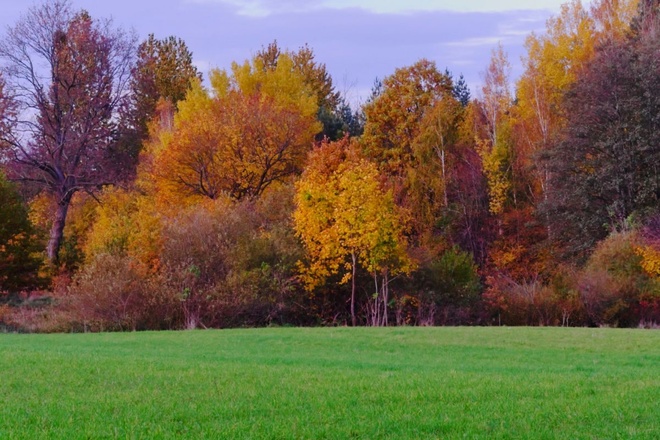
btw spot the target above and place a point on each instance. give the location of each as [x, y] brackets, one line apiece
[650, 260]
[343, 213]
[127, 224]
[553, 62]
[253, 131]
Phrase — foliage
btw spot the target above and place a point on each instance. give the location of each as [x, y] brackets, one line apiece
[19, 243]
[67, 144]
[393, 117]
[444, 290]
[164, 72]
[253, 132]
[112, 293]
[318, 80]
[346, 219]
[614, 284]
[604, 170]
[126, 224]
[649, 248]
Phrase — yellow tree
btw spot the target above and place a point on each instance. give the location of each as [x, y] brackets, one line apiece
[315, 74]
[346, 221]
[254, 130]
[494, 146]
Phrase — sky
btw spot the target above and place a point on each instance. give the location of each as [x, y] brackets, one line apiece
[358, 40]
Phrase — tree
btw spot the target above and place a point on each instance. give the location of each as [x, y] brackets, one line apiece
[346, 221]
[317, 78]
[64, 131]
[19, 260]
[605, 169]
[495, 146]
[394, 115]
[255, 130]
[554, 61]
[164, 71]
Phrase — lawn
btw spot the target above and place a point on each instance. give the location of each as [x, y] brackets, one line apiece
[338, 383]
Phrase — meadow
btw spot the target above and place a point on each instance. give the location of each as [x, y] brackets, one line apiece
[333, 383]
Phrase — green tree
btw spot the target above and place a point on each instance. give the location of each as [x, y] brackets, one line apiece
[19, 245]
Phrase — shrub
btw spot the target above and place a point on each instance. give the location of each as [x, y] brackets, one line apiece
[113, 293]
[614, 286]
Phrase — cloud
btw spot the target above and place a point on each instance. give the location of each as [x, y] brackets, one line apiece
[472, 42]
[357, 45]
[264, 8]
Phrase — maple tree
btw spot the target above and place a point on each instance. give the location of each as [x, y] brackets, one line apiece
[66, 144]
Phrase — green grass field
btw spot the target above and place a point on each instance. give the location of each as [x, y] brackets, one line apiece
[333, 383]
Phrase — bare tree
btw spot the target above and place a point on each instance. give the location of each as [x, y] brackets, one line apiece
[68, 75]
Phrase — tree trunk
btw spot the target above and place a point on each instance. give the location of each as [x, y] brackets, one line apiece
[353, 289]
[57, 231]
[386, 294]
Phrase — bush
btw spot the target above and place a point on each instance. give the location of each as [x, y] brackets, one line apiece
[442, 291]
[113, 293]
[614, 287]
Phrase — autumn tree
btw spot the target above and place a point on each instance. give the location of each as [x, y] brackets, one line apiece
[346, 220]
[255, 130]
[412, 133]
[554, 61]
[605, 169]
[394, 116]
[164, 71]
[64, 131]
[317, 78]
[494, 143]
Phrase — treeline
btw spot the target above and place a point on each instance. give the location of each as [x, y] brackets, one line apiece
[133, 197]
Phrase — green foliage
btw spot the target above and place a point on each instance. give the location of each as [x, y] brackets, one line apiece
[19, 242]
[452, 279]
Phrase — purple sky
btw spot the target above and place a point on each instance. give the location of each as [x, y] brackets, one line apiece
[358, 40]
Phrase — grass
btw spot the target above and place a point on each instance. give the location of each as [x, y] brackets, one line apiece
[338, 383]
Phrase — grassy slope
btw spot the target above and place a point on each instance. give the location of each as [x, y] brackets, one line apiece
[333, 383]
